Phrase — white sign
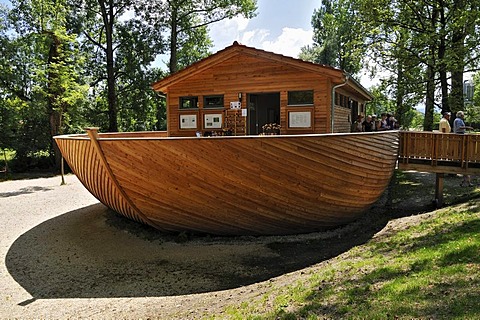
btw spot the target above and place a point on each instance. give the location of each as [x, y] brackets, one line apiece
[213, 121]
[188, 121]
[244, 112]
[299, 119]
[235, 105]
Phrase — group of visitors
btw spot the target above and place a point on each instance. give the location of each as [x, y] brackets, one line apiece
[371, 123]
[459, 127]
[458, 124]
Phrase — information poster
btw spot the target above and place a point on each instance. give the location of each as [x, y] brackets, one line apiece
[300, 119]
[188, 121]
[213, 121]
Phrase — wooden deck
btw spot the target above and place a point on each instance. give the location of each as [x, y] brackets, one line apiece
[439, 152]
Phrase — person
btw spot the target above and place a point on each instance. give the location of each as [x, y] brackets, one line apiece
[444, 125]
[357, 125]
[459, 125]
[368, 124]
[382, 124]
[389, 121]
[374, 122]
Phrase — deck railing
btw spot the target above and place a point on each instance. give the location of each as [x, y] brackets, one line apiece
[439, 152]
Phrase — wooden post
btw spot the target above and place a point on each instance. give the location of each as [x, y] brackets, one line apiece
[6, 163]
[62, 169]
[439, 190]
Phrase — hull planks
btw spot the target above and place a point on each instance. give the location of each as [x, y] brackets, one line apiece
[251, 185]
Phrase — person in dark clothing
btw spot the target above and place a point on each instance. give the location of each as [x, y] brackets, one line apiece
[368, 124]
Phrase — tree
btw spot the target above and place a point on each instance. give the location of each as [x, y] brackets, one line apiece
[121, 44]
[40, 81]
[338, 37]
[184, 17]
[439, 38]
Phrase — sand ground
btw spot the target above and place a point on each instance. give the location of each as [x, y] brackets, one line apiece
[65, 255]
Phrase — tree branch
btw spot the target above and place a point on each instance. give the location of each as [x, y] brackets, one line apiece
[98, 44]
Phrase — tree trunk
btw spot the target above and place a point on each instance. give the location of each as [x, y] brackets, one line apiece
[458, 65]
[442, 62]
[54, 93]
[429, 101]
[430, 89]
[400, 106]
[173, 41]
[109, 19]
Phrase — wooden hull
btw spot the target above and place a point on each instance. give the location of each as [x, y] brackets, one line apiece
[253, 185]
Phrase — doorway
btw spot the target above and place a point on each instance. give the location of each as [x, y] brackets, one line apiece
[263, 108]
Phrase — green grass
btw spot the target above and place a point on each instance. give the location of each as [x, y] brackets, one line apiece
[427, 270]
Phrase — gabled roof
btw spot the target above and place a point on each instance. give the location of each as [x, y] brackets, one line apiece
[338, 75]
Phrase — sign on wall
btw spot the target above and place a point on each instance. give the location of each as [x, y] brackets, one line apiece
[300, 119]
[188, 121]
[213, 121]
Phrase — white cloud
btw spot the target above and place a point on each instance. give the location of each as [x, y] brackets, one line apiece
[289, 42]
[254, 38]
[226, 31]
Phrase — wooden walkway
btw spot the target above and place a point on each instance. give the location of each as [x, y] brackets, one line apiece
[440, 153]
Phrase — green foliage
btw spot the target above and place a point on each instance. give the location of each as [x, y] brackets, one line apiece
[67, 64]
[425, 46]
[382, 103]
[428, 270]
[186, 21]
[40, 79]
[338, 37]
[193, 46]
[472, 110]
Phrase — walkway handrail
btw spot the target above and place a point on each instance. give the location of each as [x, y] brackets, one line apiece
[440, 149]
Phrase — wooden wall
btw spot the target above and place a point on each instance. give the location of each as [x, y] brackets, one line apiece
[250, 74]
[342, 120]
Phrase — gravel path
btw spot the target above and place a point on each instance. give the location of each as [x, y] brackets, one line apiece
[68, 256]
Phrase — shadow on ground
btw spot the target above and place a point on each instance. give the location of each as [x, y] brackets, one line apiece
[23, 191]
[94, 253]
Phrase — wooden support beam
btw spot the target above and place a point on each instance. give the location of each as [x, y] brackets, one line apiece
[439, 190]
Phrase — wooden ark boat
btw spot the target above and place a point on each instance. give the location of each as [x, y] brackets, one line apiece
[238, 185]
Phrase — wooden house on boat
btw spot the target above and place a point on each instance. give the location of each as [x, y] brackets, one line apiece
[242, 90]
[242, 183]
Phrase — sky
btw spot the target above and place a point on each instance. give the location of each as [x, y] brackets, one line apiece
[281, 26]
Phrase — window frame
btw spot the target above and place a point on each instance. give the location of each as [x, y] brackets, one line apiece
[215, 106]
[192, 99]
[300, 103]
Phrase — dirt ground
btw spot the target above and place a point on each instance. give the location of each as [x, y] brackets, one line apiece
[68, 256]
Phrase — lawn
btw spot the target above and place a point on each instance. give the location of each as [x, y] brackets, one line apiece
[424, 266]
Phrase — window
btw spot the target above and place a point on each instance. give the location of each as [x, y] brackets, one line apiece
[188, 102]
[342, 100]
[213, 101]
[296, 98]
